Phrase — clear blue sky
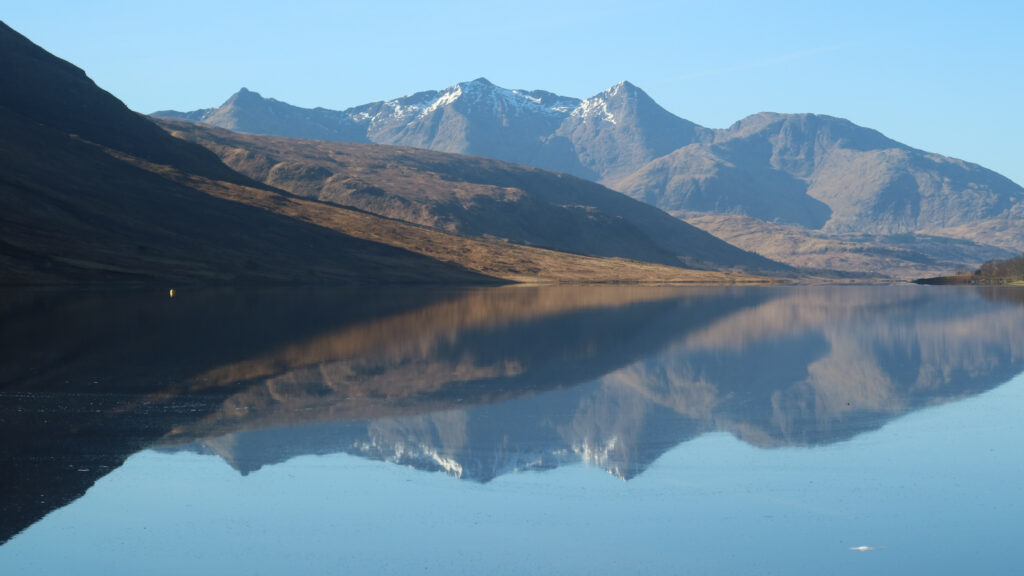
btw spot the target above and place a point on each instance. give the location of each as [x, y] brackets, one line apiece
[947, 77]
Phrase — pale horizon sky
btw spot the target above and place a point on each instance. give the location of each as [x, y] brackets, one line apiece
[942, 76]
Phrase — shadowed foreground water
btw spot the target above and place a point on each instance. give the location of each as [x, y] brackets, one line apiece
[758, 430]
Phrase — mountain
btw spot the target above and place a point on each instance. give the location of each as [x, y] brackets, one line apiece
[621, 129]
[87, 194]
[824, 173]
[93, 192]
[473, 196]
[602, 138]
[843, 181]
[878, 206]
[247, 111]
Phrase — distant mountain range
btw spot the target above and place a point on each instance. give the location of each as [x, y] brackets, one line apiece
[93, 192]
[603, 138]
[874, 203]
[131, 203]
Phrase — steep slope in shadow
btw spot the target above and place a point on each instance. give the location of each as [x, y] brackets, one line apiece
[78, 203]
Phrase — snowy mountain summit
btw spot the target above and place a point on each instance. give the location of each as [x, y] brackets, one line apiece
[477, 117]
[482, 96]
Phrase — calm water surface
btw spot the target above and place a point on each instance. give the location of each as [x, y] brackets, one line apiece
[561, 430]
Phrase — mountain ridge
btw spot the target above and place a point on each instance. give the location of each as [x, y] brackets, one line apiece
[532, 127]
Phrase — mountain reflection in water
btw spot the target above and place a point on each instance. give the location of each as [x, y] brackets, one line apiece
[622, 384]
[477, 383]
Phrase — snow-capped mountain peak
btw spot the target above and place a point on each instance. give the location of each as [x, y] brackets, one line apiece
[472, 97]
[598, 106]
[481, 95]
[624, 87]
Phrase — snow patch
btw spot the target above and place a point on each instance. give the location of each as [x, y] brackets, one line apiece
[599, 456]
[447, 97]
[596, 107]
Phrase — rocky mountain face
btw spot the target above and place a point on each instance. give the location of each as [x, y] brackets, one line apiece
[818, 177]
[824, 173]
[619, 130]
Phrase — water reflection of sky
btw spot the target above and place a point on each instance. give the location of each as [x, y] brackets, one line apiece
[938, 491]
[746, 431]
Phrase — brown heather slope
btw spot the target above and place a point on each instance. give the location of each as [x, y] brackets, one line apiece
[473, 196]
[493, 258]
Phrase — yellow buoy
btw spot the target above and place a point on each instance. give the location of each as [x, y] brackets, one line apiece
[172, 292]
